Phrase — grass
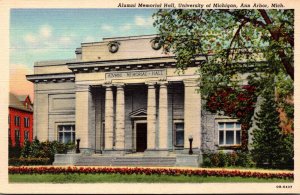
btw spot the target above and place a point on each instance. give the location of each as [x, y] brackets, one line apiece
[117, 178]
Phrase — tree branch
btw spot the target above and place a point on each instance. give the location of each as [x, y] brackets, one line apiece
[232, 40]
[275, 35]
[261, 24]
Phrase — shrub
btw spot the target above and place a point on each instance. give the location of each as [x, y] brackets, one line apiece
[14, 151]
[207, 162]
[37, 150]
[222, 159]
[244, 159]
[29, 161]
[232, 158]
[215, 159]
[47, 149]
[26, 150]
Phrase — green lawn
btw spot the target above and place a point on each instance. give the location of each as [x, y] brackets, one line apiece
[112, 178]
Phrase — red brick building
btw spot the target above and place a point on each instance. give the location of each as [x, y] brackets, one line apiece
[20, 118]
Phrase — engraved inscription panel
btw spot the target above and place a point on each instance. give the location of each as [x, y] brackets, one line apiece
[157, 73]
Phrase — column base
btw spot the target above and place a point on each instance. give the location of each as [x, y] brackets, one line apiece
[87, 151]
[196, 151]
[154, 152]
[66, 159]
[186, 160]
[114, 152]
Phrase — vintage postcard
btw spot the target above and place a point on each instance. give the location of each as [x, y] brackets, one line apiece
[149, 97]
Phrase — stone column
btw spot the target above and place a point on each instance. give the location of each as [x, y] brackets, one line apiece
[151, 117]
[120, 118]
[192, 114]
[109, 118]
[163, 116]
[84, 121]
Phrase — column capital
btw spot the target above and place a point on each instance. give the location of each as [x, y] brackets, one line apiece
[163, 83]
[107, 86]
[151, 83]
[82, 87]
[119, 85]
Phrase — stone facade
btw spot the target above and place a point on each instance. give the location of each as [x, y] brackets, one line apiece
[119, 96]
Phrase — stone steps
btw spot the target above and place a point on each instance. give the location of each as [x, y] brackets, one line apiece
[126, 161]
[95, 161]
[144, 161]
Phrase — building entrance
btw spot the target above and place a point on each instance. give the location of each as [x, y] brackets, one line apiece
[141, 137]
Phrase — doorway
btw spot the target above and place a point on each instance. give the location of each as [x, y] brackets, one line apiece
[141, 137]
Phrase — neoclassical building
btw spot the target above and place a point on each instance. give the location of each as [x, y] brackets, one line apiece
[123, 95]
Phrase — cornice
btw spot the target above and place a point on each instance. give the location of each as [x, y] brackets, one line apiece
[128, 64]
[55, 78]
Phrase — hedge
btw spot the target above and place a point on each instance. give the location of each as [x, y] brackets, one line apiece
[29, 161]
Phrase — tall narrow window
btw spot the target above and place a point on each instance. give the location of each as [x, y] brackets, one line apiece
[26, 122]
[179, 133]
[26, 135]
[229, 133]
[66, 134]
[17, 121]
[17, 135]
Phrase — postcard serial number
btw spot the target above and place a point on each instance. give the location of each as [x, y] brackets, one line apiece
[284, 186]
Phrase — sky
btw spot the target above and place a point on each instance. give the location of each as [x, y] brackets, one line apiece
[53, 34]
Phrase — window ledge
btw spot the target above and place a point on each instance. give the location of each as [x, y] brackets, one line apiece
[230, 147]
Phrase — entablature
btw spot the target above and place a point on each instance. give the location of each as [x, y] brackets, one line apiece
[128, 64]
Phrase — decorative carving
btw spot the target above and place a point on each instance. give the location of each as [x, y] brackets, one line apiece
[155, 44]
[107, 83]
[113, 46]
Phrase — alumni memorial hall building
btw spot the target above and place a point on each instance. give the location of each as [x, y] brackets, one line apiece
[123, 96]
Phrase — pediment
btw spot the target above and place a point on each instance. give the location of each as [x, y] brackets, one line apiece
[139, 113]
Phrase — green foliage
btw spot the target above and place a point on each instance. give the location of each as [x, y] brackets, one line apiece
[30, 153]
[285, 91]
[287, 160]
[231, 36]
[222, 159]
[10, 149]
[14, 150]
[29, 161]
[47, 149]
[271, 147]
[235, 44]
[35, 148]
[244, 159]
[26, 150]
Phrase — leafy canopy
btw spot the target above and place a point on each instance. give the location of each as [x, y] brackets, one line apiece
[237, 44]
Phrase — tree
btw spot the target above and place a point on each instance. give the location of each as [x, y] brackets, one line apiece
[231, 36]
[237, 45]
[17, 149]
[270, 144]
[35, 148]
[26, 150]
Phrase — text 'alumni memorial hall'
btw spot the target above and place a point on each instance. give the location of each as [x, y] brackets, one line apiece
[123, 98]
